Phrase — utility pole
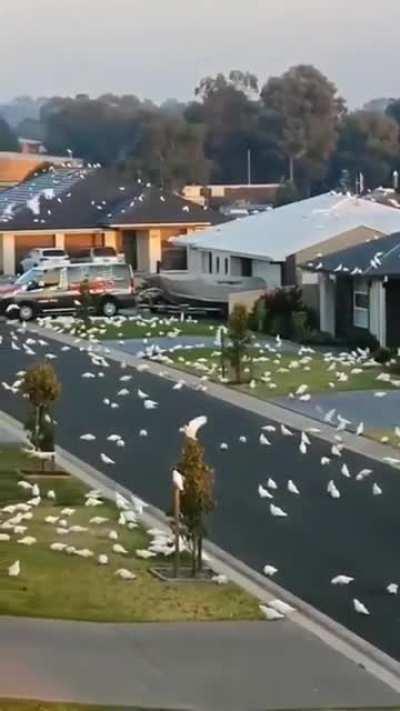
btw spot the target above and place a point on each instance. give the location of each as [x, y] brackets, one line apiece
[248, 166]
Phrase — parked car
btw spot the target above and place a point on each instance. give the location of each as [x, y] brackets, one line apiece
[105, 255]
[44, 256]
[48, 290]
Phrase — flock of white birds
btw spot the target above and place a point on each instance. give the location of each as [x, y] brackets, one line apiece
[341, 366]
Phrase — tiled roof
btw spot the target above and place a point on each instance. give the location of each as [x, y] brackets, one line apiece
[93, 198]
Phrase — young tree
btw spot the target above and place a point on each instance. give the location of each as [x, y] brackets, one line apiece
[197, 498]
[42, 388]
[86, 302]
[240, 339]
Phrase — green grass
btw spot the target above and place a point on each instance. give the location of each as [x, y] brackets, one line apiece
[57, 585]
[385, 436]
[284, 373]
[123, 328]
[14, 705]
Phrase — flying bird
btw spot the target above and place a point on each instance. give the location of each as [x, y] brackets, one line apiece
[192, 428]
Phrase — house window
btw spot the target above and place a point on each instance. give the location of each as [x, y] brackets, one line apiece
[210, 263]
[226, 265]
[246, 267]
[361, 303]
[217, 264]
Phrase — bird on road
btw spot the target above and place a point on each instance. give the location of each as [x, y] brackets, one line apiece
[269, 570]
[264, 493]
[342, 580]
[360, 607]
[292, 487]
[393, 588]
[276, 511]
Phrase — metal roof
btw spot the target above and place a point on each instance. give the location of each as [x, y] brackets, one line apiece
[276, 234]
[374, 258]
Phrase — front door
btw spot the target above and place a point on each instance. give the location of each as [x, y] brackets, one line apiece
[129, 246]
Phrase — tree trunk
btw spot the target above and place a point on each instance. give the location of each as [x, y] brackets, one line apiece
[200, 553]
[194, 556]
[291, 169]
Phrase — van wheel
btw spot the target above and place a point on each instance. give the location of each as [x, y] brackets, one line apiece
[109, 308]
[26, 312]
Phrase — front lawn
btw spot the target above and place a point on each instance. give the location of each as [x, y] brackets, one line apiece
[14, 705]
[56, 584]
[138, 327]
[273, 374]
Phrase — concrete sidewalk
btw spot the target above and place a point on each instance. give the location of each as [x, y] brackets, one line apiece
[225, 666]
[355, 406]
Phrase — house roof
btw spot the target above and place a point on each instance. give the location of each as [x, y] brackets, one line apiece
[279, 233]
[93, 198]
[374, 258]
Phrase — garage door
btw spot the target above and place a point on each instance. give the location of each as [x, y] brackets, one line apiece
[24, 243]
[75, 243]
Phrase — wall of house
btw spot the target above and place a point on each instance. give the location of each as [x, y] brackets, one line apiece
[377, 311]
[271, 273]
[327, 304]
[7, 253]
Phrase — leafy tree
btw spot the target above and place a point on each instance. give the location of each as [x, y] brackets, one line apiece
[239, 339]
[307, 110]
[170, 152]
[93, 129]
[393, 110]
[8, 140]
[229, 109]
[42, 388]
[287, 193]
[368, 144]
[197, 497]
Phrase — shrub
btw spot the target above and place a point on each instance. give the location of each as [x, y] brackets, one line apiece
[382, 355]
[360, 338]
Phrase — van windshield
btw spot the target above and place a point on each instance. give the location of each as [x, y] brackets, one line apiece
[30, 276]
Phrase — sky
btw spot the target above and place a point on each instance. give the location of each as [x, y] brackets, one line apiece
[162, 48]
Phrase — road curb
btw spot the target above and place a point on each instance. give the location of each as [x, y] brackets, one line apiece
[268, 409]
[332, 633]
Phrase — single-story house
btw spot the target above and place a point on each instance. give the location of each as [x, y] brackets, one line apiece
[77, 208]
[274, 244]
[360, 289]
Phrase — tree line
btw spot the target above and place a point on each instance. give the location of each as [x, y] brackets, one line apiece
[296, 128]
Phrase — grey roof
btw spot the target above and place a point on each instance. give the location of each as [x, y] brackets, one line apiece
[94, 198]
[278, 233]
[374, 258]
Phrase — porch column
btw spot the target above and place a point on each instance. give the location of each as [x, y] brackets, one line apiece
[59, 240]
[377, 311]
[110, 239]
[327, 304]
[154, 249]
[7, 253]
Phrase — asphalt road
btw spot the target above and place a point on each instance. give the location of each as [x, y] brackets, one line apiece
[357, 534]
